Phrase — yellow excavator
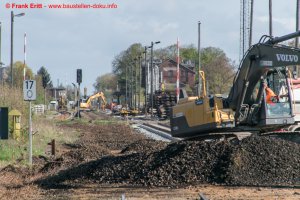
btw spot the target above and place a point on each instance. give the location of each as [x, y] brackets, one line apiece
[87, 106]
[246, 109]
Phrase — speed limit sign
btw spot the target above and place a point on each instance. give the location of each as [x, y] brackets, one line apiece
[29, 90]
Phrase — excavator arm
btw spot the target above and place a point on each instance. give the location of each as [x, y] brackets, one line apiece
[89, 101]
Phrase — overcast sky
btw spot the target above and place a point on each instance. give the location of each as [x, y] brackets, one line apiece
[63, 40]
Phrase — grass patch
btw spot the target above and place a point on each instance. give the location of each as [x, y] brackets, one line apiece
[45, 130]
[10, 150]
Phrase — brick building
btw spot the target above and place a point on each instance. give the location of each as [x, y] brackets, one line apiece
[168, 69]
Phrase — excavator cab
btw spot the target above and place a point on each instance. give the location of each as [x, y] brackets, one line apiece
[278, 104]
[270, 101]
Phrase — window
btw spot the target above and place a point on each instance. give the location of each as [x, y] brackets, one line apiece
[170, 75]
[278, 105]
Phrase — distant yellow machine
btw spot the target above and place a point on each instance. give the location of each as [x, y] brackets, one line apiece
[87, 106]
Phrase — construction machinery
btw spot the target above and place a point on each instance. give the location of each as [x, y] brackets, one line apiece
[245, 110]
[295, 84]
[87, 105]
[62, 103]
[125, 111]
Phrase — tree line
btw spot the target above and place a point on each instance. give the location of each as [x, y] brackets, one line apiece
[43, 79]
[218, 68]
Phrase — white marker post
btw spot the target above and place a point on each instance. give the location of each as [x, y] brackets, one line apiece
[178, 72]
[24, 69]
[29, 92]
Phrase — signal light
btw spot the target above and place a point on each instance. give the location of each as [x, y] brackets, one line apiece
[79, 76]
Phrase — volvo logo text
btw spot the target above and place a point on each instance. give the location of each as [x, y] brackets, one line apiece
[287, 58]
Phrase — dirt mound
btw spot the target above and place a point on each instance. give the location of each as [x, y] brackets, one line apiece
[146, 145]
[185, 163]
[255, 161]
[264, 161]
[86, 153]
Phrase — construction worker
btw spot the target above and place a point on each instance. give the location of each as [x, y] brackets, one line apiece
[271, 97]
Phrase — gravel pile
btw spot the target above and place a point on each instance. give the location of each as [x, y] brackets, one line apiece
[146, 145]
[185, 163]
[265, 161]
[178, 164]
[255, 161]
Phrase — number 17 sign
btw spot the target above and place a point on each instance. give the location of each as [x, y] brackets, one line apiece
[29, 90]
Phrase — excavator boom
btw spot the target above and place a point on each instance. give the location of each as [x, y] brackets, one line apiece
[87, 105]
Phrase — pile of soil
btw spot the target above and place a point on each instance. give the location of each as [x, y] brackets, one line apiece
[264, 161]
[145, 145]
[256, 161]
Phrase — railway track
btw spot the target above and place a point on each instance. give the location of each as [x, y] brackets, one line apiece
[155, 131]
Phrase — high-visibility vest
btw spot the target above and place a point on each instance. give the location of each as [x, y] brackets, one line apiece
[269, 95]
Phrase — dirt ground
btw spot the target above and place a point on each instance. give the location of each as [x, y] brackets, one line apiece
[98, 140]
[210, 192]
